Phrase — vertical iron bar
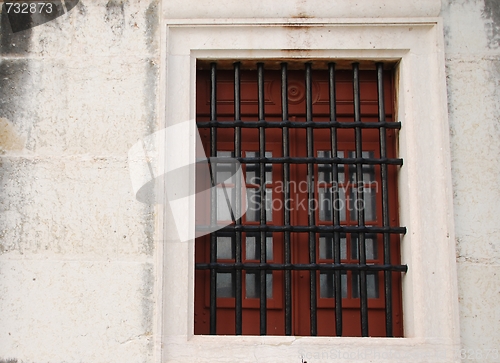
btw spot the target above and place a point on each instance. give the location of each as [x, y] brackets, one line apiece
[359, 203]
[385, 201]
[336, 202]
[310, 199]
[237, 153]
[213, 199]
[262, 181]
[286, 196]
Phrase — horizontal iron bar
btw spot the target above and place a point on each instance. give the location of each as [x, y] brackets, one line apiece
[327, 229]
[299, 125]
[298, 266]
[306, 160]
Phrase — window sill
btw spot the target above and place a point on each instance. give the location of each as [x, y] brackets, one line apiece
[281, 349]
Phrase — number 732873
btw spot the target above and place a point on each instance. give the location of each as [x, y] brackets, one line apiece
[29, 7]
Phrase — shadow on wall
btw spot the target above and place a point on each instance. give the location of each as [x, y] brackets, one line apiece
[13, 43]
[491, 12]
[12, 73]
[25, 15]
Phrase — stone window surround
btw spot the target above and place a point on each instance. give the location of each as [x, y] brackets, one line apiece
[430, 303]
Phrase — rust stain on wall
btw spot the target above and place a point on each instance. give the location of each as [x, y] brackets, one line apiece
[9, 137]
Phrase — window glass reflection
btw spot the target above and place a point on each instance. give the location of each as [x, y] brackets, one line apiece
[253, 170]
[326, 248]
[327, 285]
[252, 285]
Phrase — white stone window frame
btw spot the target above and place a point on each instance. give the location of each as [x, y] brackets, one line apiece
[430, 303]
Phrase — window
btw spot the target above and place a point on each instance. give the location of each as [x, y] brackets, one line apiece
[316, 240]
[429, 289]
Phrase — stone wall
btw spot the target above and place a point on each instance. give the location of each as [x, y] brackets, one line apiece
[472, 35]
[77, 250]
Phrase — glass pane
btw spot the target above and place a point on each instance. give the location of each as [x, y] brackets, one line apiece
[225, 285]
[253, 200]
[252, 285]
[225, 199]
[326, 247]
[253, 248]
[325, 170]
[368, 204]
[370, 243]
[326, 204]
[225, 172]
[370, 199]
[269, 204]
[341, 168]
[371, 285]
[252, 170]
[341, 204]
[368, 170]
[225, 248]
[327, 285]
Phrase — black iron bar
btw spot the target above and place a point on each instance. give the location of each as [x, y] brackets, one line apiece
[249, 266]
[385, 201]
[336, 203]
[318, 229]
[298, 125]
[359, 203]
[238, 205]
[286, 199]
[310, 200]
[213, 199]
[262, 185]
[308, 160]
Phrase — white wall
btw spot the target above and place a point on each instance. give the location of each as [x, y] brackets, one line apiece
[76, 249]
[472, 34]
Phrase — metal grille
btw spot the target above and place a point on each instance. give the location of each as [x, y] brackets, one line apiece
[357, 162]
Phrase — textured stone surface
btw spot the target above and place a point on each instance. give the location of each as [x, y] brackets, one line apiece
[76, 248]
[186, 9]
[479, 288]
[78, 206]
[66, 310]
[473, 74]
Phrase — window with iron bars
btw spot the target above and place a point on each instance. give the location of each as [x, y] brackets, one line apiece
[317, 252]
